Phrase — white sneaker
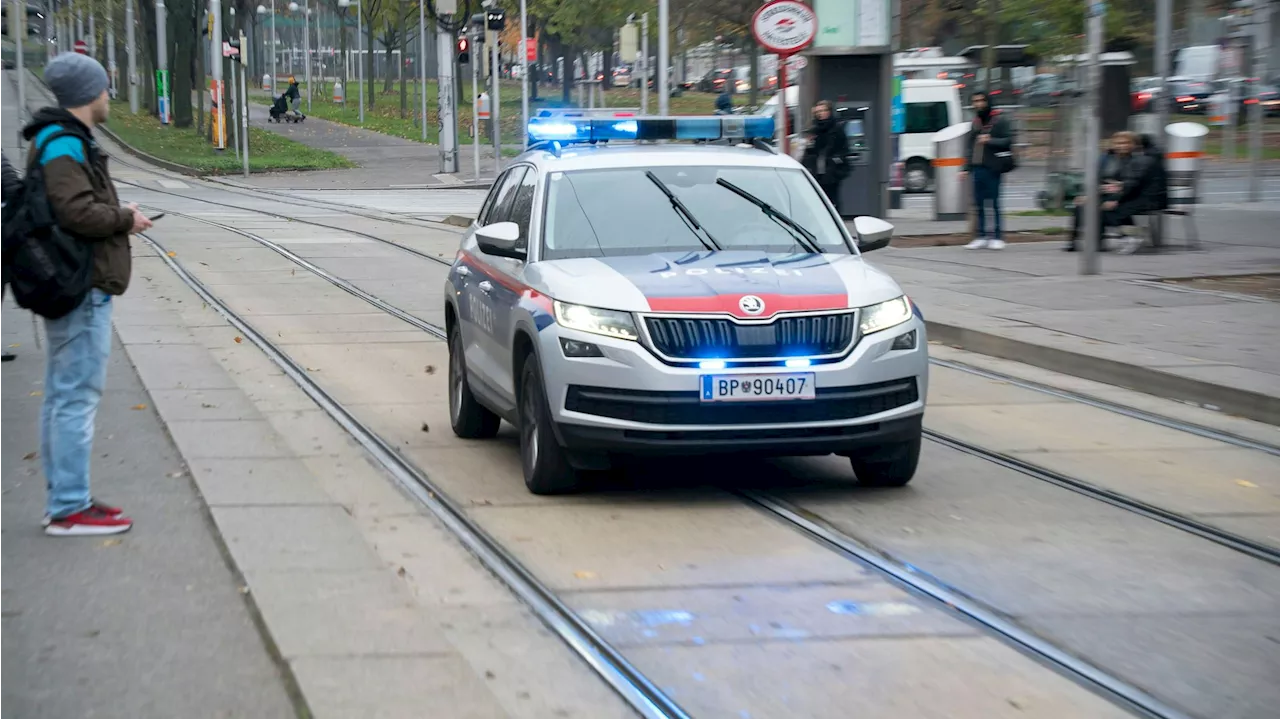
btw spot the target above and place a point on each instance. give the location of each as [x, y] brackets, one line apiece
[979, 243]
[995, 245]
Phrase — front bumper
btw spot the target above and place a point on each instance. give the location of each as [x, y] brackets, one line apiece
[631, 402]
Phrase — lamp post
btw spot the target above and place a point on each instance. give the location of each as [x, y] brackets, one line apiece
[262, 10]
[306, 44]
[360, 51]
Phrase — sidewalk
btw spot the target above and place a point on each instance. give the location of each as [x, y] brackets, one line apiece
[148, 624]
[383, 159]
[1030, 304]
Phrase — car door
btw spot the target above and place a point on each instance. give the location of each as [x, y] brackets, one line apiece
[520, 211]
[492, 293]
[473, 316]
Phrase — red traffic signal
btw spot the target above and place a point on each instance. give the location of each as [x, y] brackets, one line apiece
[464, 46]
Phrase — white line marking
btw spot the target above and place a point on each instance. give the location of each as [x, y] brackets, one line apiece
[172, 184]
[448, 179]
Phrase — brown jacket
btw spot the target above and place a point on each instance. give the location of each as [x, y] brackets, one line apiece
[82, 196]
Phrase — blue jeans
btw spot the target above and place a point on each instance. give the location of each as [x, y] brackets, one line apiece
[986, 188]
[79, 345]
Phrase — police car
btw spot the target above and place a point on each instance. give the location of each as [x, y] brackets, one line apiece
[618, 296]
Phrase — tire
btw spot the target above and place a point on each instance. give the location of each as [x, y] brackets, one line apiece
[916, 176]
[891, 466]
[545, 463]
[469, 418]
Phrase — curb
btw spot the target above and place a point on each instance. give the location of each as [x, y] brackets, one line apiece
[149, 158]
[1228, 400]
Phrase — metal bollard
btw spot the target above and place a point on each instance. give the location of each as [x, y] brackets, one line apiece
[950, 192]
[339, 94]
[1184, 146]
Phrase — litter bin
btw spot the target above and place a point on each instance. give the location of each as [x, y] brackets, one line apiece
[950, 192]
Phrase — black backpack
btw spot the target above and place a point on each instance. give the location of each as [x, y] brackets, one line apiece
[49, 270]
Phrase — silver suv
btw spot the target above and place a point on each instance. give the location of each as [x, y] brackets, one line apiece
[678, 300]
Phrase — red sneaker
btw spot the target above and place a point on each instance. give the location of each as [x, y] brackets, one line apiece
[102, 506]
[92, 521]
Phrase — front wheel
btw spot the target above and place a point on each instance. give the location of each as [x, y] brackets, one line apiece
[889, 466]
[545, 463]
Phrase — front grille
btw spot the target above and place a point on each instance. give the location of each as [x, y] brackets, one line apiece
[672, 408]
[703, 337]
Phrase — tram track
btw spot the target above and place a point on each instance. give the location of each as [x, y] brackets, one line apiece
[579, 636]
[575, 632]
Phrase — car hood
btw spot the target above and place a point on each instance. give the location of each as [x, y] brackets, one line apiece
[680, 282]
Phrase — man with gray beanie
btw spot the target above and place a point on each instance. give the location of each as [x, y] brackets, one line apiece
[84, 203]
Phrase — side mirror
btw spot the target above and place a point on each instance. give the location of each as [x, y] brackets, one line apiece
[873, 233]
[499, 240]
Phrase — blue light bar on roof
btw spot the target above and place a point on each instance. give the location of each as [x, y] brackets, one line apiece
[603, 129]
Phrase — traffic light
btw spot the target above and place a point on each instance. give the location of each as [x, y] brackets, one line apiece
[496, 19]
[464, 50]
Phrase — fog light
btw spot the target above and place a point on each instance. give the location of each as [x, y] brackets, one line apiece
[576, 348]
[905, 342]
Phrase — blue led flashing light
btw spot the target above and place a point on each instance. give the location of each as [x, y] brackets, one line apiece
[582, 129]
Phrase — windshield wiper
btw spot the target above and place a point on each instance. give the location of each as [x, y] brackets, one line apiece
[803, 237]
[709, 242]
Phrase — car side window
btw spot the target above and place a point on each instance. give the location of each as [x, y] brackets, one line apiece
[522, 206]
[505, 196]
[486, 209]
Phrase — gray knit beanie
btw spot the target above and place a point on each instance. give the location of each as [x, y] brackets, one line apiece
[76, 80]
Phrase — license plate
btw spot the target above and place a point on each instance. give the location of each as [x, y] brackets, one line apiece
[757, 387]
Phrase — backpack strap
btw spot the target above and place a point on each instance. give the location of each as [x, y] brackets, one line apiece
[43, 146]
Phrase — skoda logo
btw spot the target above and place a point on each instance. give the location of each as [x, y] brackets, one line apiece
[751, 304]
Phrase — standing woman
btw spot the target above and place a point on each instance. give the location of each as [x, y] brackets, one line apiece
[826, 154]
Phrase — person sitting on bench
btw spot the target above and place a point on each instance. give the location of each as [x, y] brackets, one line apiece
[1122, 174]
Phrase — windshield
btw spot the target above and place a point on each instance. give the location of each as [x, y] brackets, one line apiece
[602, 213]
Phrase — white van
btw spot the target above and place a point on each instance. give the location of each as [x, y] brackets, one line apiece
[930, 105]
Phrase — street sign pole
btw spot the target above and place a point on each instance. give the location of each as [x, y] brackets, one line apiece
[784, 28]
[1092, 231]
[132, 52]
[1261, 49]
[664, 59]
[1164, 33]
[422, 61]
[475, 105]
[495, 72]
[162, 64]
[524, 72]
[446, 87]
[244, 102]
[644, 64]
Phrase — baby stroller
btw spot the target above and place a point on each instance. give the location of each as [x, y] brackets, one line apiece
[280, 111]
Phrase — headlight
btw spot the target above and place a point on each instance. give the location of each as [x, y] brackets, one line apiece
[885, 315]
[610, 323]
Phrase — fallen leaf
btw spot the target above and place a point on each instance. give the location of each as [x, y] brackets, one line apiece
[37, 393]
[239, 340]
[206, 405]
[175, 475]
[425, 428]
[431, 369]
[244, 590]
[584, 574]
[1246, 483]
[401, 572]
[312, 369]
[292, 272]
[139, 406]
[173, 254]
[30, 456]
[15, 344]
[112, 542]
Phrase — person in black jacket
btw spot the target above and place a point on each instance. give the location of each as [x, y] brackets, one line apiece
[1124, 175]
[826, 154]
[12, 189]
[990, 145]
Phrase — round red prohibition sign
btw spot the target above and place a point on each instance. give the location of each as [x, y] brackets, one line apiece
[784, 27]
